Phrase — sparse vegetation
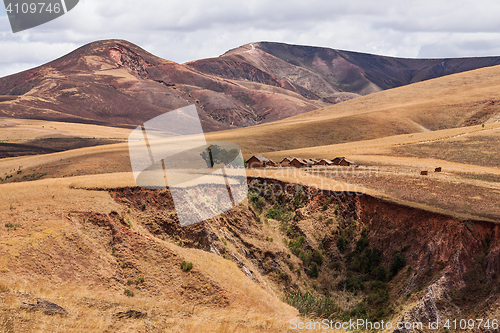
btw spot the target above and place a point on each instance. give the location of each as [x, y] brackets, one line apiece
[312, 306]
[341, 241]
[397, 263]
[186, 266]
[11, 226]
[128, 293]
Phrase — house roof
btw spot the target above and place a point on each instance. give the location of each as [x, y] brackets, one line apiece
[301, 161]
[289, 159]
[259, 157]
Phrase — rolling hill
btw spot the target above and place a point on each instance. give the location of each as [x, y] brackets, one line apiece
[116, 83]
[454, 101]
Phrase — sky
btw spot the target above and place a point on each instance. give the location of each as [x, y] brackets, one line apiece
[187, 30]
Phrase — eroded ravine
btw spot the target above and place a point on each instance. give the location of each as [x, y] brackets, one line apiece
[368, 257]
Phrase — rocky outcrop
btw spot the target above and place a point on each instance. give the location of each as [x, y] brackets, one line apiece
[435, 306]
[131, 314]
[126, 57]
[46, 307]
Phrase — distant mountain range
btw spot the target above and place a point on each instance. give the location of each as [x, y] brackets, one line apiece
[114, 82]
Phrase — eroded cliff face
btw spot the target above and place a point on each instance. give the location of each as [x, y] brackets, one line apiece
[286, 239]
[455, 263]
[126, 57]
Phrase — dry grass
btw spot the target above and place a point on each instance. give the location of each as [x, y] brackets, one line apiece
[51, 254]
[453, 101]
[18, 130]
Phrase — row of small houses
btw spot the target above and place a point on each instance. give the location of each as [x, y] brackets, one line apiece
[259, 161]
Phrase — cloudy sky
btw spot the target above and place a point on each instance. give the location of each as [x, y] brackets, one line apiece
[192, 29]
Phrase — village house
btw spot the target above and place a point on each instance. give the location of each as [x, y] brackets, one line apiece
[342, 161]
[286, 161]
[270, 163]
[325, 162]
[312, 161]
[298, 163]
[259, 161]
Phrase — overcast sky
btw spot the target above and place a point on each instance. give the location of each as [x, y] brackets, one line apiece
[193, 29]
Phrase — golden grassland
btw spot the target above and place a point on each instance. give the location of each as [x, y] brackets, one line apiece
[19, 130]
[468, 155]
[459, 100]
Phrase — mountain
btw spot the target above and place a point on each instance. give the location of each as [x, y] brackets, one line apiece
[116, 83]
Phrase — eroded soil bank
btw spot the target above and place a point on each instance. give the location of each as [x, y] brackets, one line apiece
[343, 255]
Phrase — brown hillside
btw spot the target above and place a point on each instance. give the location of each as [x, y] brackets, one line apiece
[116, 83]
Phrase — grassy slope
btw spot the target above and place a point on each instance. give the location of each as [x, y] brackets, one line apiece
[453, 101]
[34, 264]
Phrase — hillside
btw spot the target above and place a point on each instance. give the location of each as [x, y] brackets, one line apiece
[328, 71]
[116, 83]
[454, 101]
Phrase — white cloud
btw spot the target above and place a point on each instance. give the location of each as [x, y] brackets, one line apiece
[193, 29]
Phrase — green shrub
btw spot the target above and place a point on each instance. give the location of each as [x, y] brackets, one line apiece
[257, 202]
[355, 265]
[309, 305]
[398, 262]
[326, 203]
[361, 244]
[336, 265]
[313, 270]
[11, 226]
[306, 257]
[284, 276]
[341, 243]
[352, 284]
[359, 311]
[186, 266]
[297, 243]
[381, 273]
[317, 257]
[128, 293]
[277, 213]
